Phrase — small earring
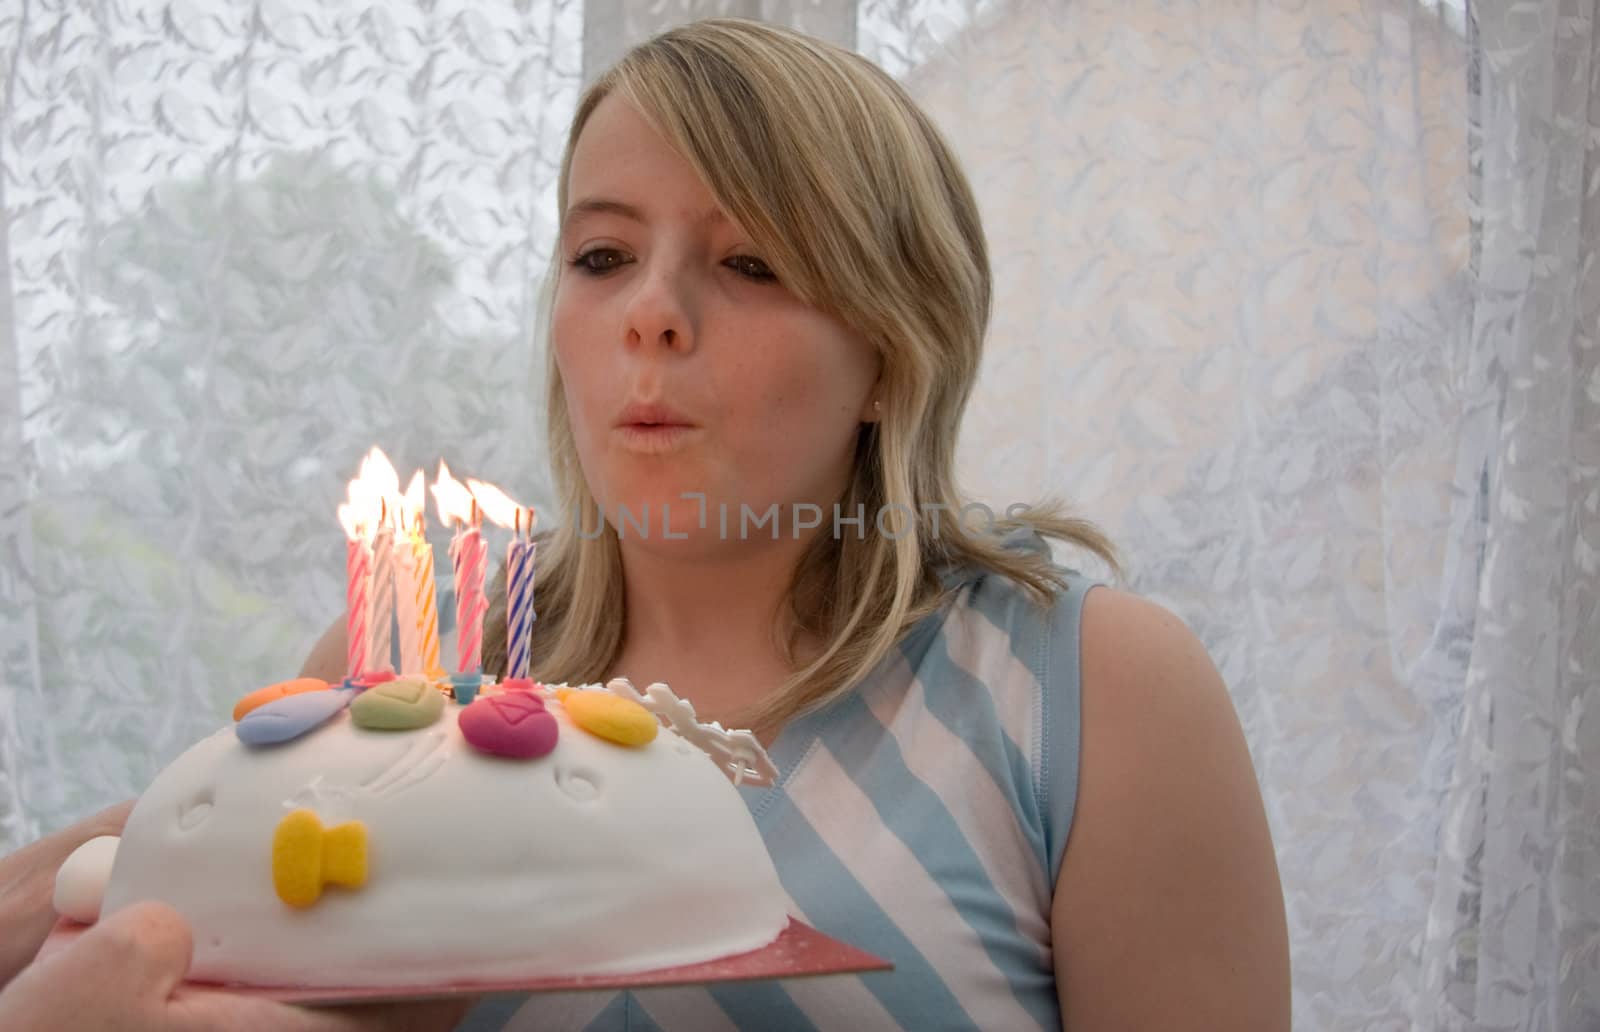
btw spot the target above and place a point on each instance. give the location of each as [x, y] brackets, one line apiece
[877, 406]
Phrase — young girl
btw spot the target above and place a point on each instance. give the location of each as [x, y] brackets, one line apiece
[1029, 793]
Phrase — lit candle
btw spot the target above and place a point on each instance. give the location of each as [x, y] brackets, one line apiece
[519, 572]
[380, 603]
[468, 554]
[519, 595]
[424, 601]
[354, 517]
[405, 596]
[384, 484]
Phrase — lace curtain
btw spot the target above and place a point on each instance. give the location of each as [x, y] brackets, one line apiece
[1298, 300]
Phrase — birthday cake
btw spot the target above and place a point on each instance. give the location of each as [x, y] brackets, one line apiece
[382, 833]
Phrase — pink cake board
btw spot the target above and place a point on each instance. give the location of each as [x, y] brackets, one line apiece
[799, 952]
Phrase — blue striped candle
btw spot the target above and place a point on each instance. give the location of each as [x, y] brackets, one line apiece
[519, 602]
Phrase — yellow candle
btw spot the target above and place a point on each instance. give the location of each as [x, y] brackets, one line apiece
[423, 592]
[428, 612]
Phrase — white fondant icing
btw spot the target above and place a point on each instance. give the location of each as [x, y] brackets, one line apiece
[81, 880]
[595, 859]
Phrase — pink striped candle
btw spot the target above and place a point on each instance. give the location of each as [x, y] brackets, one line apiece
[468, 555]
[353, 517]
[358, 572]
[506, 512]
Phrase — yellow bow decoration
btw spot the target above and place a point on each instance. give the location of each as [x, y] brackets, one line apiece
[306, 856]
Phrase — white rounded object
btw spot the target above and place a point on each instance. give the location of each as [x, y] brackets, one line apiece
[597, 858]
[82, 877]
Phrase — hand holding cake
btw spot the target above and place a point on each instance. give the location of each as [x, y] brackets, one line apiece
[127, 973]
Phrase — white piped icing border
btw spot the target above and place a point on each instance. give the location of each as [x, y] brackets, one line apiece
[737, 753]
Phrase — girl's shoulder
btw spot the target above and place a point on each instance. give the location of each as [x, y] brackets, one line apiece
[1011, 607]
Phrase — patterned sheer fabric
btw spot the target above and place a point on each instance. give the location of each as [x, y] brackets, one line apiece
[1298, 300]
[244, 244]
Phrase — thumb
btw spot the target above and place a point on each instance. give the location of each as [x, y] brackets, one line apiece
[141, 951]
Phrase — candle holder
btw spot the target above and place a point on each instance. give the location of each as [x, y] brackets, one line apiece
[464, 686]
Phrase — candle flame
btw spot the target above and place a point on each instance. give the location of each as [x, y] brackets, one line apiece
[353, 521]
[452, 499]
[363, 509]
[378, 472]
[413, 504]
[501, 508]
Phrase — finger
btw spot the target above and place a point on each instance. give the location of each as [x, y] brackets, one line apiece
[113, 976]
[144, 950]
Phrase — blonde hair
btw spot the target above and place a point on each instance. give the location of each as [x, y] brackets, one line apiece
[854, 199]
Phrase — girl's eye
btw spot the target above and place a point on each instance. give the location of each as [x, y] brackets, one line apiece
[598, 260]
[601, 260]
[751, 267]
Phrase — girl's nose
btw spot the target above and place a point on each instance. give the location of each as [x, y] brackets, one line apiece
[660, 312]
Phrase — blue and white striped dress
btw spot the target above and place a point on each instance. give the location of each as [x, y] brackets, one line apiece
[923, 818]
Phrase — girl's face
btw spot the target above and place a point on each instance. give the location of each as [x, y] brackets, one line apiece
[688, 368]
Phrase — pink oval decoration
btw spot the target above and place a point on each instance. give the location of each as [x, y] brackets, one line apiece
[515, 725]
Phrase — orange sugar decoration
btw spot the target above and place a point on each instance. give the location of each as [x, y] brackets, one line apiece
[274, 692]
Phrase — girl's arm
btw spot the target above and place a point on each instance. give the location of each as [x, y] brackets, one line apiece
[1168, 912]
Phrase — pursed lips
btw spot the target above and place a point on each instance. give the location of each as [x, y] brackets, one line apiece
[649, 428]
[652, 415]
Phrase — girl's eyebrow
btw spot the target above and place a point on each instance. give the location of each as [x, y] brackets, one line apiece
[600, 206]
[606, 206]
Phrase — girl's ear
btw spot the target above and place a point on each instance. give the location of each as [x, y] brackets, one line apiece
[872, 408]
